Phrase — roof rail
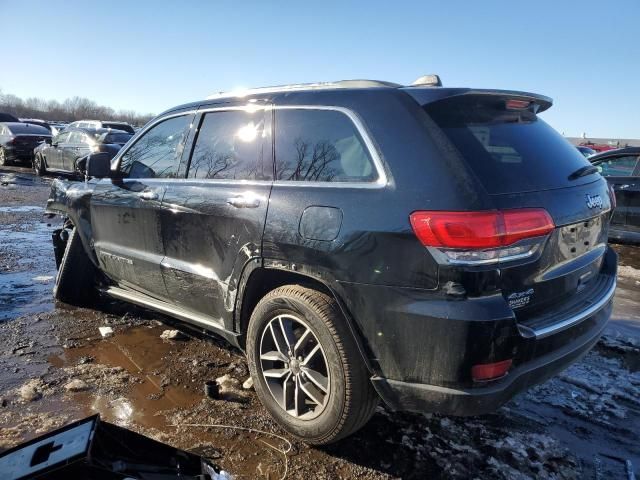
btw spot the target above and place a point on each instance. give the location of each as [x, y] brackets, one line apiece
[306, 86]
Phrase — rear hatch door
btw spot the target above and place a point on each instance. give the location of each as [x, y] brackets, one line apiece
[524, 163]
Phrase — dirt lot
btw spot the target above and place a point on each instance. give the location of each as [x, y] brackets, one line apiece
[56, 367]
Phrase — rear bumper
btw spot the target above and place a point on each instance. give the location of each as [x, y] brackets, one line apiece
[14, 153]
[423, 348]
[417, 397]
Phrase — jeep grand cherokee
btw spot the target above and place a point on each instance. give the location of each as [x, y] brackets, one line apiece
[439, 248]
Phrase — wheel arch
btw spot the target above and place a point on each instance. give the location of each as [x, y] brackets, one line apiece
[261, 280]
[71, 201]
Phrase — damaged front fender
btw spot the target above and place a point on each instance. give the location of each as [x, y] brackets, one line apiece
[71, 200]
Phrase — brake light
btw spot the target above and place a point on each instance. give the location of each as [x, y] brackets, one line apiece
[517, 104]
[482, 237]
[490, 371]
[479, 230]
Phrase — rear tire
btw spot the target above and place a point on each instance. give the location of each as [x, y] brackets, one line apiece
[326, 394]
[75, 281]
[38, 165]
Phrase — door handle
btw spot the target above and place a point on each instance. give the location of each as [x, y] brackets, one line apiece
[244, 201]
[148, 195]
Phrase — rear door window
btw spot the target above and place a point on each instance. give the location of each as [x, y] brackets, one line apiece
[510, 151]
[62, 138]
[76, 138]
[320, 146]
[619, 166]
[230, 146]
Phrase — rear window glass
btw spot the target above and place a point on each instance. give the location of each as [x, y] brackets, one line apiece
[118, 126]
[27, 128]
[116, 137]
[320, 146]
[510, 151]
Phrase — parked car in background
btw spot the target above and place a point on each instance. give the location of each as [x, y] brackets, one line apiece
[598, 147]
[39, 122]
[586, 151]
[56, 129]
[97, 124]
[7, 117]
[621, 168]
[66, 148]
[18, 140]
[439, 248]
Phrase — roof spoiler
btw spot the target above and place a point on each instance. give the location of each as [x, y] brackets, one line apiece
[538, 103]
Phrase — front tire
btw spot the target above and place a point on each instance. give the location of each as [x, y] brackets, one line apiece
[75, 281]
[306, 367]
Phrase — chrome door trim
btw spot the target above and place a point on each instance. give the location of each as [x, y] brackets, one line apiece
[378, 163]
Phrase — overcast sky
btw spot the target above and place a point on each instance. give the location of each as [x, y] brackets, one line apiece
[152, 55]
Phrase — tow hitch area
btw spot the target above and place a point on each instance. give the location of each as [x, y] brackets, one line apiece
[91, 448]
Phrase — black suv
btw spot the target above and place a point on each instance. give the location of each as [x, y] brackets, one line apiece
[439, 248]
[621, 168]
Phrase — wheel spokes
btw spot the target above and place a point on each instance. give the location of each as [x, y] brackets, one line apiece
[294, 367]
[276, 342]
[287, 333]
[274, 356]
[287, 392]
[317, 379]
[298, 399]
[302, 340]
[311, 392]
[276, 372]
[310, 355]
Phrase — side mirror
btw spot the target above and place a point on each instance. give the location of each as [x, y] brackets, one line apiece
[99, 165]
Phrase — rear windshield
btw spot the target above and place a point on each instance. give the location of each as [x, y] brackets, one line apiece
[118, 126]
[510, 151]
[27, 128]
[116, 138]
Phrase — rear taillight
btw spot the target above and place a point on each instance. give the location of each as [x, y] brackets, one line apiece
[484, 236]
[490, 371]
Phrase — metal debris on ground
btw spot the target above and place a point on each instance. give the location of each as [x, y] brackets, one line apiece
[105, 331]
[91, 448]
[172, 335]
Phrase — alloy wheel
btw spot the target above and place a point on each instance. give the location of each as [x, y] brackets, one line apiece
[294, 367]
[3, 158]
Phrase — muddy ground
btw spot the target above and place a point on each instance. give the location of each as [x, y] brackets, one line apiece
[56, 367]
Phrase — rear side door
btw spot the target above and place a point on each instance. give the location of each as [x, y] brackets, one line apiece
[212, 222]
[621, 173]
[125, 211]
[76, 147]
[53, 154]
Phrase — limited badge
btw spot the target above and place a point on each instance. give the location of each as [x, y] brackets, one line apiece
[520, 299]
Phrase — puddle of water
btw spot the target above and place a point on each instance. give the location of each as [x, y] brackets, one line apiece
[17, 178]
[26, 255]
[141, 352]
[21, 209]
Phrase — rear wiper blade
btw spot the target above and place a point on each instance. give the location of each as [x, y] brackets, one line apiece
[583, 172]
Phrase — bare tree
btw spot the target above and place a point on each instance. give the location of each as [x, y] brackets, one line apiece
[71, 109]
